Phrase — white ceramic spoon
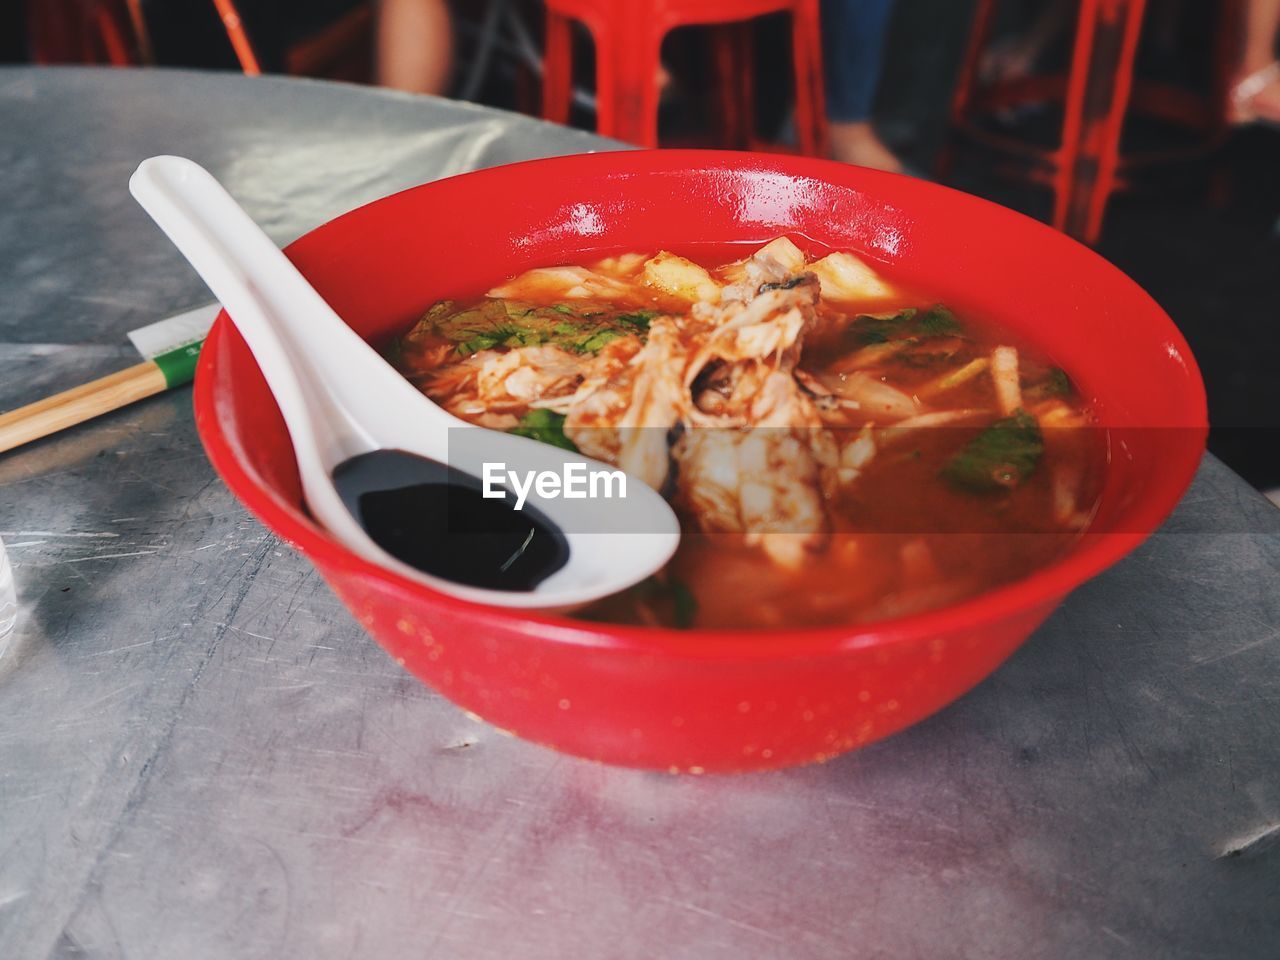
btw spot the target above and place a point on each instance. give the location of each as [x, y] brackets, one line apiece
[340, 400]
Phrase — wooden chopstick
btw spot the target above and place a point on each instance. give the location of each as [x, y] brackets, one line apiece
[66, 409]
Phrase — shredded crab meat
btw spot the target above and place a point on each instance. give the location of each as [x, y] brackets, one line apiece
[489, 386]
[764, 483]
[657, 403]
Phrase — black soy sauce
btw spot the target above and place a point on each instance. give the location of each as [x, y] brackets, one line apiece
[436, 519]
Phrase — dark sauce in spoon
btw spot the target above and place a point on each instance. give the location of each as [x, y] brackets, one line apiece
[436, 519]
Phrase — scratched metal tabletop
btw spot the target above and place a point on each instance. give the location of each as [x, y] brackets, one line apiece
[202, 756]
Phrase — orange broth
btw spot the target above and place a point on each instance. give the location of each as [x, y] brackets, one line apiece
[904, 538]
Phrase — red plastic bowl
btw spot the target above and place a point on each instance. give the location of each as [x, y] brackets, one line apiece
[717, 700]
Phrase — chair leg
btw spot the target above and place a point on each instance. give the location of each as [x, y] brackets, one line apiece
[1097, 100]
[811, 110]
[231, 22]
[56, 32]
[1230, 35]
[1067, 159]
[141, 35]
[557, 70]
[627, 61]
[984, 15]
[731, 58]
[112, 37]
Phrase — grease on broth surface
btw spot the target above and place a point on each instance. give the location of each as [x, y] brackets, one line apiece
[840, 449]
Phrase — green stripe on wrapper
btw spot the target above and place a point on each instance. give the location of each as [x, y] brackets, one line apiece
[179, 365]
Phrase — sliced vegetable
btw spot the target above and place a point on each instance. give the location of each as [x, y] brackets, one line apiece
[875, 353]
[999, 458]
[955, 378]
[843, 276]
[924, 359]
[680, 277]
[783, 252]
[546, 426]
[1004, 374]
[879, 401]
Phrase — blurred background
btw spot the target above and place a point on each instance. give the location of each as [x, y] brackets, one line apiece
[1146, 129]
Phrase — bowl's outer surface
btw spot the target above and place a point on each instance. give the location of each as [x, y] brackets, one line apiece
[704, 700]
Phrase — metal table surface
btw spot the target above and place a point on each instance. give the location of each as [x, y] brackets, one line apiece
[202, 755]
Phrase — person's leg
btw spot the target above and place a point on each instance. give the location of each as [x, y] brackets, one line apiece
[1262, 23]
[1258, 90]
[415, 45]
[853, 39]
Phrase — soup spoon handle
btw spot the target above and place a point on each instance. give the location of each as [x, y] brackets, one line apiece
[309, 356]
[340, 399]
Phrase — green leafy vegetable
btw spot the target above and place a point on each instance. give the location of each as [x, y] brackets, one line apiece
[867, 329]
[999, 458]
[544, 425]
[937, 321]
[637, 318]
[597, 340]
[393, 352]
[512, 323]
[504, 334]
[1056, 384]
[685, 603]
[670, 599]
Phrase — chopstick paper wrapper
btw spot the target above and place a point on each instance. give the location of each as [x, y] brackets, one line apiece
[170, 346]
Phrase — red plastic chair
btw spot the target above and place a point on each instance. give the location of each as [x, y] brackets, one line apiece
[115, 32]
[1086, 168]
[628, 36]
[109, 32]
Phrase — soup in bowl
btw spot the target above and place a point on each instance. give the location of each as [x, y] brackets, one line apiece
[898, 423]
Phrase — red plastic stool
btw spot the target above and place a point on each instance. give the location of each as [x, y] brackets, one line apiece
[628, 36]
[1087, 167]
